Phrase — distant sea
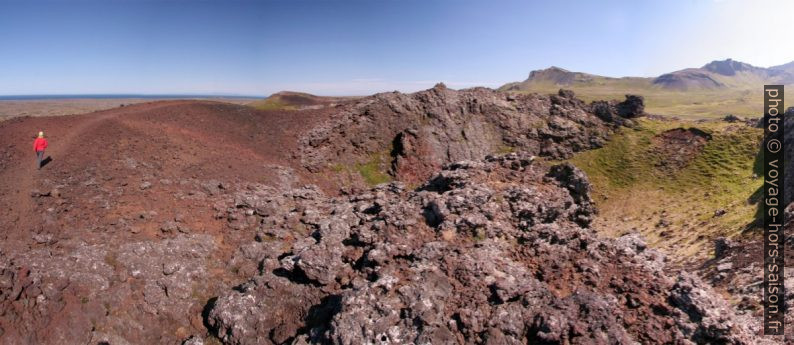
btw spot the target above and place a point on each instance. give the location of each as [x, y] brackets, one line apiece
[115, 96]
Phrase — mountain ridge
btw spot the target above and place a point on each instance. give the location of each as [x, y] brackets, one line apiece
[713, 90]
[716, 74]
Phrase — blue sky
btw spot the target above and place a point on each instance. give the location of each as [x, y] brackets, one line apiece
[361, 47]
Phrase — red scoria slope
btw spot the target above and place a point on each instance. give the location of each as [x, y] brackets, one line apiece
[116, 177]
[193, 139]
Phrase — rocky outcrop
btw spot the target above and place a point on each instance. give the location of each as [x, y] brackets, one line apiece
[613, 111]
[417, 133]
[736, 270]
[496, 251]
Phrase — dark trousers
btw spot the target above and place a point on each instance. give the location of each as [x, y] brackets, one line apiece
[39, 157]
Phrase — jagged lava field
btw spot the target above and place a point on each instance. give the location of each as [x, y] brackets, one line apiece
[443, 216]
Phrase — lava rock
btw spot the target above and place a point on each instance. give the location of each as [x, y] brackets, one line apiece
[425, 130]
[489, 251]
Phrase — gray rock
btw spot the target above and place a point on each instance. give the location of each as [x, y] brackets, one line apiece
[35, 193]
[169, 226]
[171, 268]
[721, 247]
[194, 340]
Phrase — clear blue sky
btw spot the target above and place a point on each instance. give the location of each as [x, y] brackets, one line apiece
[360, 47]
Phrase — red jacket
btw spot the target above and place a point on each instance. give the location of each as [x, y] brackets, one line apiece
[39, 144]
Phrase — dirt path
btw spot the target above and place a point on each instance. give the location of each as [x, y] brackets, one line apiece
[177, 139]
[66, 137]
[60, 139]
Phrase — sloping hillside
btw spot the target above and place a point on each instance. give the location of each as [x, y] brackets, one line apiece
[788, 67]
[290, 100]
[554, 78]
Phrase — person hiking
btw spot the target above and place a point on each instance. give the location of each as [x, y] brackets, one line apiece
[39, 145]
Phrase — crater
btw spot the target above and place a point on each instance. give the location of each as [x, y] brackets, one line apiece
[677, 147]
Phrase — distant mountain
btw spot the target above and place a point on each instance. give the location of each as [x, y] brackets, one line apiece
[731, 67]
[555, 77]
[687, 79]
[562, 76]
[789, 67]
[724, 74]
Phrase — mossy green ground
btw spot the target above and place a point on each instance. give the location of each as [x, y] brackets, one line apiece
[633, 194]
[372, 172]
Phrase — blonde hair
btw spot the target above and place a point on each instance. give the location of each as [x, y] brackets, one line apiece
[41, 134]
